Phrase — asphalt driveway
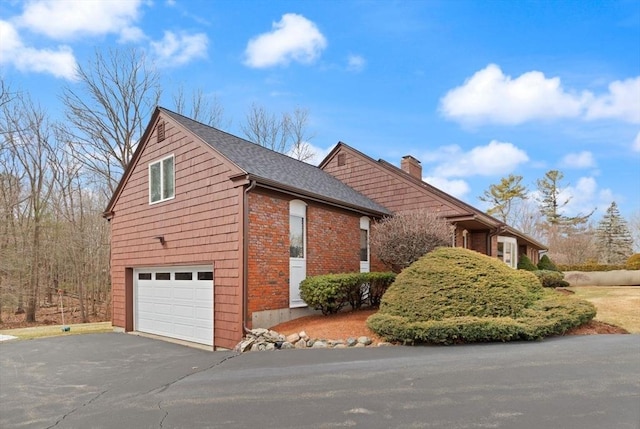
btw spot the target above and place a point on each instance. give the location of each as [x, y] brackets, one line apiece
[125, 381]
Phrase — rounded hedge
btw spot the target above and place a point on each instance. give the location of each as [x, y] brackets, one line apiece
[633, 263]
[457, 295]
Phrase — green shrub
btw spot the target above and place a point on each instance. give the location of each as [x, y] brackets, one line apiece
[378, 285]
[546, 263]
[551, 278]
[633, 263]
[591, 266]
[457, 295]
[331, 292]
[524, 263]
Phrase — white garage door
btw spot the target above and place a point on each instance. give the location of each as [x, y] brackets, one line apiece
[175, 302]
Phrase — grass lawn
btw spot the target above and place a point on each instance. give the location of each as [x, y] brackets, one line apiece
[56, 330]
[617, 305]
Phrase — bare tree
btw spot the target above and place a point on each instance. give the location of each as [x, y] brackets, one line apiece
[634, 228]
[203, 109]
[401, 240]
[296, 125]
[27, 133]
[285, 134]
[107, 110]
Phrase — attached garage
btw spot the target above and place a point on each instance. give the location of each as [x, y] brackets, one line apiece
[175, 302]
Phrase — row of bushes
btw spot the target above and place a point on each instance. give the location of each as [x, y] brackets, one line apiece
[545, 263]
[547, 272]
[331, 292]
[553, 315]
[633, 263]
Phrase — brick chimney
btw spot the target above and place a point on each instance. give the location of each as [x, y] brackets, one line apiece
[412, 166]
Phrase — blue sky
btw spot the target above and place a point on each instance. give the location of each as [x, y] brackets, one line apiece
[476, 90]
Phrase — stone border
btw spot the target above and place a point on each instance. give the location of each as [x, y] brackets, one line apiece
[261, 339]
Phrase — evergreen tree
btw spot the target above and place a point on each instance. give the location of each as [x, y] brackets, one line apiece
[613, 237]
[551, 202]
[503, 195]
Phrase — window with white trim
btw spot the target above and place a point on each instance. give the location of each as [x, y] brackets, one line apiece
[161, 180]
[507, 251]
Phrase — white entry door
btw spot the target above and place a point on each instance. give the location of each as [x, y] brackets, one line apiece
[175, 302]
[365, 252]
[297, 251]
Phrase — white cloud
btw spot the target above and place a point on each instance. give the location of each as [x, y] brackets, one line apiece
[294, 38]
[457, 187]
[60, 62]
[318, 153]
[175, 50]
[584, 197]
[582, 159]
[491, 96]
[622, 102]
[67, 19]
[635, 146]
[496, 158]
[356, 63]
[132, 35]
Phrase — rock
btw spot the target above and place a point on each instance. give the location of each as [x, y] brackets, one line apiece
[384, 344]
[255, 347]
[310, 342]
[269, 346]
[259, 331]
[243, 346]
[293, 338]
[351, 341]
[340, 346]
[303, 335]
[300, 344]
[364, 340]
[359, 345]
[286, 345]
[319, 345]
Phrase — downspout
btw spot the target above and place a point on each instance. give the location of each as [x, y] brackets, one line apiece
[245, 255]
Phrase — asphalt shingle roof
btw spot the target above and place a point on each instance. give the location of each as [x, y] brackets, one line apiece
[273, 166]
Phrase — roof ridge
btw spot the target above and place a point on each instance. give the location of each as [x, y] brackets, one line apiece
[235, 136]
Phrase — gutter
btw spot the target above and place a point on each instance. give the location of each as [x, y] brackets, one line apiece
[245, 255]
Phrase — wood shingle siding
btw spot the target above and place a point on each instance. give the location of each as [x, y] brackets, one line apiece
[200, 226]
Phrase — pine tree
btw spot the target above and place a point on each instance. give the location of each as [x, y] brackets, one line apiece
[503, 195]
[613, 237]
[550, 201]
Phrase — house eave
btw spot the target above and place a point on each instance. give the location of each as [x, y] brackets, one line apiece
[279, 187]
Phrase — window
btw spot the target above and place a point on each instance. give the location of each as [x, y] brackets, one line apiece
[296, 236]
[297, 239]
[205, 275]
[184, 276]
[342, 159]
[144, 276]
[163, 276]
[161, 180]
[364, 245]
[507, 251]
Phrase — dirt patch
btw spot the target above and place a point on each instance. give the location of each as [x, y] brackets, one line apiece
[596, 327]
[351, 324]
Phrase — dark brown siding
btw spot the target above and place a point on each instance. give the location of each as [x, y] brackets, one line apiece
[392, 191]
[200, 226]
